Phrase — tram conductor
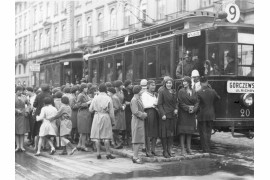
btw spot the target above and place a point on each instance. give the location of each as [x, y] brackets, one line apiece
[186, 66]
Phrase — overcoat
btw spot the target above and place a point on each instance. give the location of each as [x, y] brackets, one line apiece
[21, 122]
[137, 121]
[121, 116]
[104, 117]
[186, 123]
[74, 112]
[84, 120]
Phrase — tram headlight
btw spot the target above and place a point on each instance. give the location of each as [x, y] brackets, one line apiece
[248, 99]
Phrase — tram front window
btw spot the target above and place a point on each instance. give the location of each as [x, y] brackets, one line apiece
[245, 60]
[221, 60]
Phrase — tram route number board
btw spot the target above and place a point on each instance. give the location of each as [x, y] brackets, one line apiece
[233, 12]
[240, 86]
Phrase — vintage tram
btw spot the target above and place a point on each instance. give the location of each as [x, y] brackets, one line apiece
[155, 51]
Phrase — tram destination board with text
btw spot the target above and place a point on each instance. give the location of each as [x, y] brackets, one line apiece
[240, 86]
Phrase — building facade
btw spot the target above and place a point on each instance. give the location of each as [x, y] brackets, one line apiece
[56, 34]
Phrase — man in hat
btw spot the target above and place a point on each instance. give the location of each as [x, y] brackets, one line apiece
[185, 67]
[230, 68]
[207, 97]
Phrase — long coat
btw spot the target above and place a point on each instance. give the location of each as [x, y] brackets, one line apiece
[207, 97]
[74, 112]
[137, 121]
[121, 116]
[104, 117]
[128, 94]
[84, 120]
[117, 106]
[186, 122]
[166, 105]
[38, 104]
[21, 122]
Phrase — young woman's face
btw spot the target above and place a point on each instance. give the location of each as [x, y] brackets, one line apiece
[19, 92]
[85, 90]
[152, 87]
[185, 84]
[109, 93]
[169, 84]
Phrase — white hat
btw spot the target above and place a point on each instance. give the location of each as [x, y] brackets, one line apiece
[143, 82]
[195, 73]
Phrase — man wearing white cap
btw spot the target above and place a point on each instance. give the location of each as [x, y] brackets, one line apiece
[195, 80]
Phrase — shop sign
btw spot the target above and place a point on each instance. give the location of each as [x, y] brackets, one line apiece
[35, 67]
[193, 34]
[240, 86]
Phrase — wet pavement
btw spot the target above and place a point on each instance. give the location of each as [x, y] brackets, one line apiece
[230, 158]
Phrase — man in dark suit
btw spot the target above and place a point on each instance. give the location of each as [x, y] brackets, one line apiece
[206, 115]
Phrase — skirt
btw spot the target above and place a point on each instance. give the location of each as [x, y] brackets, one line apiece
[128, 117]
[47, 129]
[65, 127]
[21, 125]
[137, 131]
[73, 118]
[151, 123]
[186, 123]
[84, 121]
[101, 127]
[167, 127]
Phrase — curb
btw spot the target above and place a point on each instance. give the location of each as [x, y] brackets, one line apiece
[158, 159]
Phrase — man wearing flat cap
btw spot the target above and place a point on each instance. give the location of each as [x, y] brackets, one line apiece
[185, 67]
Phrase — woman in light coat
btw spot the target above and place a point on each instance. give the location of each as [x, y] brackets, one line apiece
[137, 123]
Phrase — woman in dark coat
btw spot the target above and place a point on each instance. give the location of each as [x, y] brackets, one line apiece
[188, 106]
[167, 105]
[83, 117]
[38, 104]
[137, 123]
[74, 112]
[21, 124]
[128, 95]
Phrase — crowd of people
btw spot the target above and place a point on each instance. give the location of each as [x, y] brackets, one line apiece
[115, 114]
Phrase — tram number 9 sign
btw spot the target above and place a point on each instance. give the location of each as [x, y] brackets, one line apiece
[233, 13]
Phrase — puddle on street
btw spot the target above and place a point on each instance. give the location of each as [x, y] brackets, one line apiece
[188, 169]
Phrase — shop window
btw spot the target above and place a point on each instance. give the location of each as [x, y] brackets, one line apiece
[128, 65]
[119, 66]
[164, 62]
[109, 69]
[151, 62]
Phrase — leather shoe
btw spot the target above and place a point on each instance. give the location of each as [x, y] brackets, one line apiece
[52, 152]
[137, 161]
[110, 156]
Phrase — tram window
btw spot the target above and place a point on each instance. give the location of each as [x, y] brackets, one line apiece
[77, 71]
[221, 60]
[67, 72]
[222, 35]
[245, 60]
[138, 60]
[119, 66]
[109, 69]
[101, 70]
[151, 62]
[42, 75]
[164, 62]
[128, 65]
[94, 71]
[56, 74]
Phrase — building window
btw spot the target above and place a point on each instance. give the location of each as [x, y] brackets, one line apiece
[160, 9]
[113, 19]
[48, 37]
[205, 3]
[35, 42]
[35, 15]
[48, 9]
[182, 5]
[24, 22]
[89, 27]
[16, 26]
[40, 12]
[24, 45]
[20, 23]
[126, 16]
[55, 35]
[77, 4]
[40, 41]
[143, 10]
[100, 23]
[63, 7]
[20, 69]
[78, 29]
[55, 8]
[63, 33]
[20, 47]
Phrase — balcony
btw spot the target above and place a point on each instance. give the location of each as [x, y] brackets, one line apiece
[85, 41]
[175, 15]
[108, 34]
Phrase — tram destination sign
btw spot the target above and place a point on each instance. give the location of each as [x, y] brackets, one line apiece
[240, 86]
[35, 67]
[193, 34]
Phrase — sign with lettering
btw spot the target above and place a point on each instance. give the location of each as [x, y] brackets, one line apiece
[35, 67]
[240, 86]
[193, 34]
